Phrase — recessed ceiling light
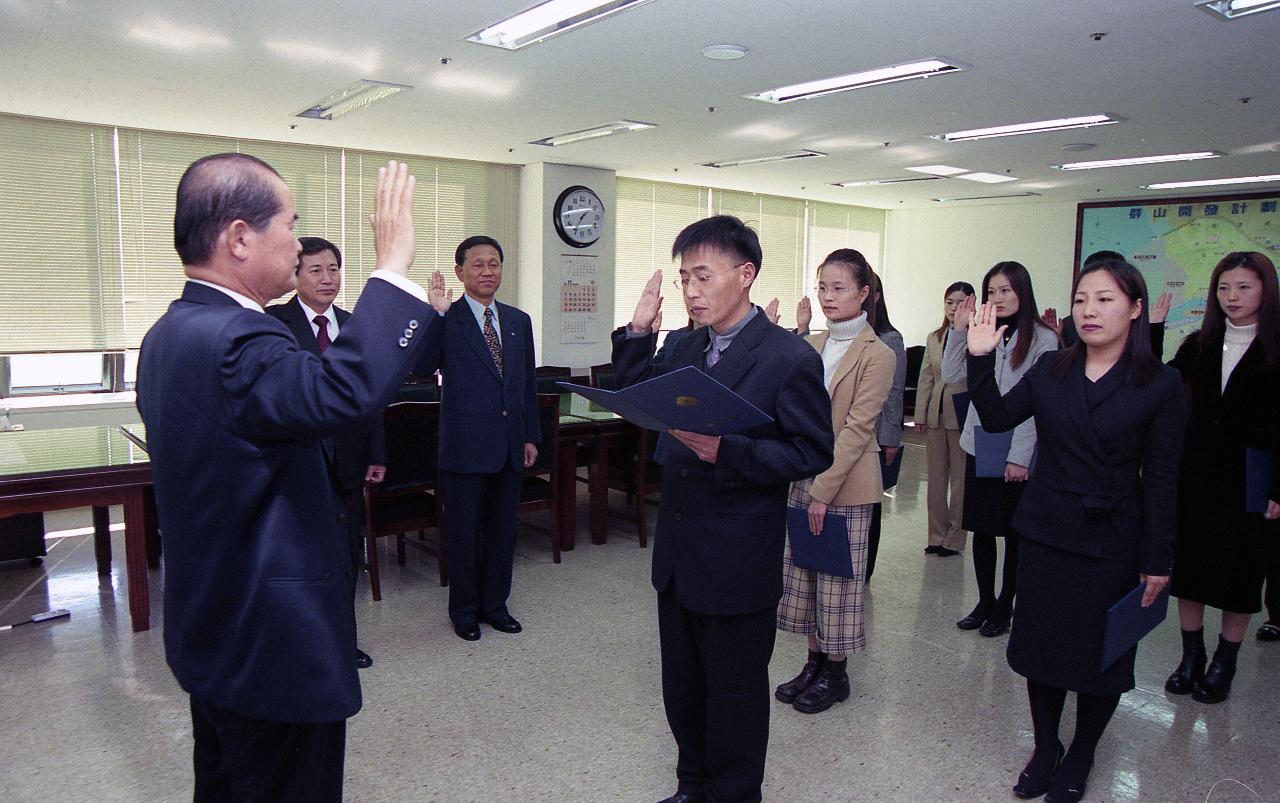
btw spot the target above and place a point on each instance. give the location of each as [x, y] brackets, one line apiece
[358, 96]
[938, 170]
[1234, 9]
[724, 52]
[879, 182]
[1060, 124]
[859, 80]
[1213, 182]
[990, 197]
[608, 129]
[546, 20]
[776, 157]
[1139, 160]
[986, 178]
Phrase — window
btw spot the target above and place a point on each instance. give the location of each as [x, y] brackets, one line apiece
[650, 214]
[31, 374]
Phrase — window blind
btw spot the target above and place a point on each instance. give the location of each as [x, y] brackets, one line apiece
[649, 216]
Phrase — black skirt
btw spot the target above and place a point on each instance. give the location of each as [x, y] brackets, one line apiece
[989, 502]
[1220, 557]
[1060, 619]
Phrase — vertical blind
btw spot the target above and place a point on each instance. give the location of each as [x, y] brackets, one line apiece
[86, 239]
[794, 236]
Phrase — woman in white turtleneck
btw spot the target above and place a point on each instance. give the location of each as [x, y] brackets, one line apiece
[858, 369]
[1231, 368]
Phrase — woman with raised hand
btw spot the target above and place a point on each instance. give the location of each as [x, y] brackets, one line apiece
[989, 502]
[858, 370]
[936, 418]
[1098, 514]
[1231, 368]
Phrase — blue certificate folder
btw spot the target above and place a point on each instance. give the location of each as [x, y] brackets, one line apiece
[1257, 478]
[686, 399]
[1128, 622]
[991, 451]
[828, 552]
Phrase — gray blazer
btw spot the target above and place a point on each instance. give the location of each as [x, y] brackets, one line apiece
[954, 369]
[889, 425]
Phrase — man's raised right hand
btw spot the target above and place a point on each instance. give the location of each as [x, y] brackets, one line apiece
[650, 304]
[392, 218]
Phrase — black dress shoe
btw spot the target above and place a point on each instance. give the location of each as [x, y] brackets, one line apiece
[997, 625]
[684, 797]
[1068, 783]
[943, 552]
[1034, 780]
[1269, 632]
[932, 549]
[975, 619]
[363, 659]
[1216, 685]
[826, 690]
[468, 632]
[789, 691]
[506, 623]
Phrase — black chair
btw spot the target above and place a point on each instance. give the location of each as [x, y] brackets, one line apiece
[422, 390]
[540, 486]
[545, 378]
[915, 359]
[409, 498]
[602, 376]
[633, 471]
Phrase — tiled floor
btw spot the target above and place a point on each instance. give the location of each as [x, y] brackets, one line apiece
[571, 709]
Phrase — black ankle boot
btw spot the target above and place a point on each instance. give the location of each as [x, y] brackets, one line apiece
[830, 687]
[1034, 780]
[1216, 685]
[1191, 671]
[793, 688]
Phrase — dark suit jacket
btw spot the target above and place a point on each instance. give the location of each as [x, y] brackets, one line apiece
[257, 600]
[1106, 478]
[485, 419]
[351, 451]
[722, 527]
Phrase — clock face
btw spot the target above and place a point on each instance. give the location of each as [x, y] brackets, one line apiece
[579, 216]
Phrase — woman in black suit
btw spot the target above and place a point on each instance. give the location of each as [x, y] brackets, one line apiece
[1097, 516]
[1231, 368]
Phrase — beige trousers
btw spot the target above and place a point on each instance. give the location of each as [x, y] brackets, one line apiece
[946, 468]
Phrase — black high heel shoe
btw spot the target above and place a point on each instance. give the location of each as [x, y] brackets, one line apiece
[975, 618]
[996, 625]
[1034, 780]
[1068, 782]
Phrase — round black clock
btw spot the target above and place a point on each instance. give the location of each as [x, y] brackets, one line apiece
[578, 215]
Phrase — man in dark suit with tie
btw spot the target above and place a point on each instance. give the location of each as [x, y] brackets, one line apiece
[359, 454]
[717, 559]
[489, 433]
[258, 623]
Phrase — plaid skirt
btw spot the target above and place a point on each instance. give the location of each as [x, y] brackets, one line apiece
[814, 602]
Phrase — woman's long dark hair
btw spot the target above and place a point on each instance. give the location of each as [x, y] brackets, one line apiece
[1213, 327]
[1028, 313]
[881, 322]
[861, 272]
[1140, 364]
[965, 288]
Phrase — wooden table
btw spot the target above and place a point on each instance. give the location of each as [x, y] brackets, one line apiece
[55, 469]
[585, 425]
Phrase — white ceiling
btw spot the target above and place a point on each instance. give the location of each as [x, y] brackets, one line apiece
[235, 68]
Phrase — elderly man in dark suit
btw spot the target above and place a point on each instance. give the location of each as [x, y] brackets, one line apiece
[358, 454]
[258, 623]
[717, 559]
[489, 433]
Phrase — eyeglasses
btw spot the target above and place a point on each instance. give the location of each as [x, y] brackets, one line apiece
[682, 283]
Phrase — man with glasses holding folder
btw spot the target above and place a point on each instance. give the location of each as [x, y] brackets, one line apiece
[717, 558]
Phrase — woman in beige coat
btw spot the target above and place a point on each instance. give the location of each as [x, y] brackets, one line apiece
[936, 418]
[858, 369]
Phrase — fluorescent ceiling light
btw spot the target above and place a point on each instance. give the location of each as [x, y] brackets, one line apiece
[359, 95]
[880, 182]
[987, 178]
[990, 197]
[546, 20]
[938, 170]
[608, 129]
[1213, 182]
[1139, 160]
[777, 157]
[858, 80]
[1061, 124]
[1234, 9]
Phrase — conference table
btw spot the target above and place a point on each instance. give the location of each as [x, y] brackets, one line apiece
[92, 466]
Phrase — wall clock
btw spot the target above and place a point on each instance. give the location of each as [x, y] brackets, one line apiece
[578, 215]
